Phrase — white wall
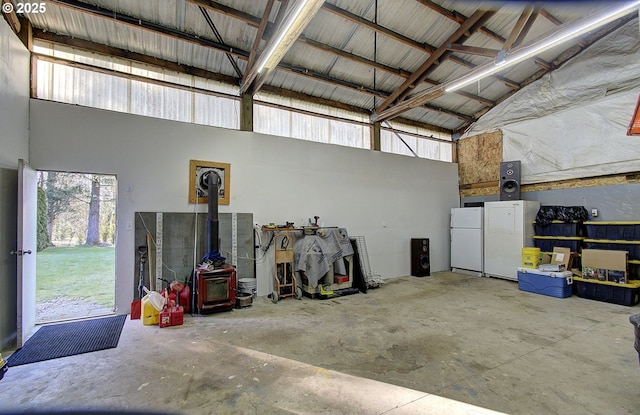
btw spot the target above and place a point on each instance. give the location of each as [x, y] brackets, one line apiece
[387, 198]
[14, 141]
[14, 98]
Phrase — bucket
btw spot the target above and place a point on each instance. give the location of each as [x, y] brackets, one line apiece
[248, 286]
[244, 300]
[530, 257]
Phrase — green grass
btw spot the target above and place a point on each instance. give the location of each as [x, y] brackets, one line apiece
[76, 272]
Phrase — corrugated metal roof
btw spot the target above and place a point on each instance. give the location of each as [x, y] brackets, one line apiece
[396, 33]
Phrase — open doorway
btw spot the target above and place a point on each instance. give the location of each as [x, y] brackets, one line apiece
[75, 260]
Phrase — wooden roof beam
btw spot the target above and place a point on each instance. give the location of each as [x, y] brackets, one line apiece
[10, 16]
[378, 28]
[526, 28]
[255, 21]
[86, 45]
[472, 29]
[256, 41]
[450, 113]
[455, 36]
[459, 18]
[398, 72]
[517, 28]
[150, 26]
[547, 15]
[473, 50]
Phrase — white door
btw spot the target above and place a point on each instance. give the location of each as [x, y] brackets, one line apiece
[466, 217]
[466, 249]
[26, 250]
[503, 238]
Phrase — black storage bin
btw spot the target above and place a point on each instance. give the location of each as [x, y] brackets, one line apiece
[557, 228]
[633, 248]
[547, 243]
[608, 293]
[622, 230]
[596, 230]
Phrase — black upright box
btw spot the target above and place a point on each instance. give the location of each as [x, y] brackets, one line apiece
[420, 263]
[510, 180]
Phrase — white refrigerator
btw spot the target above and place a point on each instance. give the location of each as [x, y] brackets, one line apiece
[508, 227]
[467, 240]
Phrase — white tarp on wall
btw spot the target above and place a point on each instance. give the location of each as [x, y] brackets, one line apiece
[572, 123]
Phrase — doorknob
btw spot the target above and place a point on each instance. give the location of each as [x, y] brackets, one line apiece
[20, 252]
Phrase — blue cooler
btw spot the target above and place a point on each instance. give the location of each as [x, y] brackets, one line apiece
[554, 284]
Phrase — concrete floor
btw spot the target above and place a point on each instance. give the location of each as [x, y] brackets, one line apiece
[444, 344]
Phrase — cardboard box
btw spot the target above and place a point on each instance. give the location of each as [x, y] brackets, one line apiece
[605, 265]
[559, 255]
[562, 256]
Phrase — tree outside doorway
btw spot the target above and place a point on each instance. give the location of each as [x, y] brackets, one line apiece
[75, 260]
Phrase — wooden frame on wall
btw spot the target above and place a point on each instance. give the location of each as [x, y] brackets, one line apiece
[198, 173]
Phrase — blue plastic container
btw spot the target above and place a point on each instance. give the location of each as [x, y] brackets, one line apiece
[547, 243]
[621, 294]
[553, 284]
[632, 247]
[558, 228]
[596, 230]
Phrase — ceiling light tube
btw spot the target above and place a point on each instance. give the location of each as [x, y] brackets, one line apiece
[571, 32]
[267, 55]
[287, 34]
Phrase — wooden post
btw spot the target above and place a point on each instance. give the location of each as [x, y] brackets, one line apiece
[246, 112]
[26, 33]
[10, 15]
[375, 130]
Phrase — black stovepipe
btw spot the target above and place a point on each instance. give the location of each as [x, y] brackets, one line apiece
[212, 215]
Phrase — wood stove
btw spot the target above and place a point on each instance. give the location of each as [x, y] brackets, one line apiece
[216, 289]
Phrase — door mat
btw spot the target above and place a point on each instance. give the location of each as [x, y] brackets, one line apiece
[68, 339]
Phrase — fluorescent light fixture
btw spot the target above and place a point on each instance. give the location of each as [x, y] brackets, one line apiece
[276, 43]
[293, 24]
[501, 57]
[571, 32]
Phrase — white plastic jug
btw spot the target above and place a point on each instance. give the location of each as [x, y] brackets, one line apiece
[155, 298]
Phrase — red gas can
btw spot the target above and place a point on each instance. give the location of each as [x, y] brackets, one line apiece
[183, 298]
[177, 316]
[172, 316]
[165, 317]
